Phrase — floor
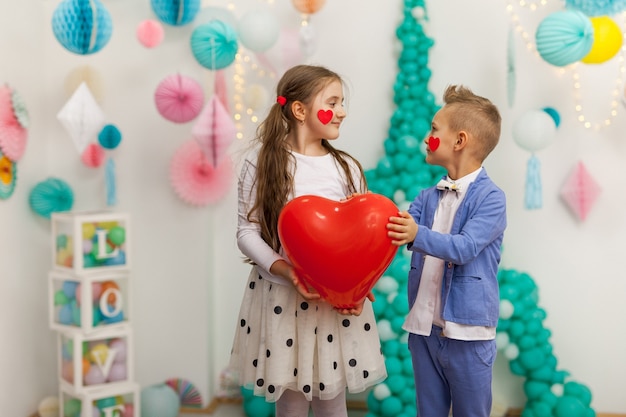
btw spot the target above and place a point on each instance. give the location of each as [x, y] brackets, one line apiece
[236, 410]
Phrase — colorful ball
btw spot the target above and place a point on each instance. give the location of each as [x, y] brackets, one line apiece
[214, 44]
[117, 235]
[82, 26]
[48, 407]
[175, 12]
[109, 137]
[159, 400]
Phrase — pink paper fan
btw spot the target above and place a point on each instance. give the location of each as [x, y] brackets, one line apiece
[214, 130]
[195, 179]
[13, 135]
[150, 33]
[93, 155]
[580, 191]
[178, 98]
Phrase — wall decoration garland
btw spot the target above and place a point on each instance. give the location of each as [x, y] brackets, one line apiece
[521, 335]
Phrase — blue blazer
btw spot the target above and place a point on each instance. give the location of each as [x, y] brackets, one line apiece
[471, 252]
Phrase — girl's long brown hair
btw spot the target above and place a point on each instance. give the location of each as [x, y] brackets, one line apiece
[274, 181]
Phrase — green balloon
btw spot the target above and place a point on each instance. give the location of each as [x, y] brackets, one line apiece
[71, 407]
[569, 407]
[117, 235]
[60, 299]
[535, 389]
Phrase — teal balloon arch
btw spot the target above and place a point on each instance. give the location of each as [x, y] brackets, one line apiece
[521, 335]
[400, 175]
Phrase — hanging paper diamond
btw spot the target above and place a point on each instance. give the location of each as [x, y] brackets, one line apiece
[580, 191]
[82, 117]
[214, 131]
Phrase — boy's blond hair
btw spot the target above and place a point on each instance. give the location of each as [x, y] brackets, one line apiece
[478, 116]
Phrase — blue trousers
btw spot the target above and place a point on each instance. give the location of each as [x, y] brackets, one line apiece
[452, 373]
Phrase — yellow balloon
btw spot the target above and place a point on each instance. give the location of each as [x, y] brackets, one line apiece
[607, 40]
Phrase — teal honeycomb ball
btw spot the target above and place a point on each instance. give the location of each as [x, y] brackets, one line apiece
[82, 26]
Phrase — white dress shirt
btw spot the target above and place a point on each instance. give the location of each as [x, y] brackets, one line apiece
[426, 310]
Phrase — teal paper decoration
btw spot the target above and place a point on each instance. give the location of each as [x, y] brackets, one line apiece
[511, 77]
[565, 37]
[50, 196]
[214, 44]
[597, 8]
[110, 183]
[175, 12]
[109, 137]
[82, 26]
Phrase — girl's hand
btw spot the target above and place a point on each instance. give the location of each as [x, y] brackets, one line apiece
[283, 269]
[357, 309]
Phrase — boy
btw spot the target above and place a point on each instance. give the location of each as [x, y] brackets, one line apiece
[455, 231]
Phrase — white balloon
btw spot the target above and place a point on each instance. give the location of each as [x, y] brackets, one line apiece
[502, 340]
[511, 352]
[258, 30]
[506, 309]
[381, 391]
[534, 130]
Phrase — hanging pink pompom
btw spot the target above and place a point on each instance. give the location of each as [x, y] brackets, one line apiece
[194, 178]
[13, 132]
[150, 33]
[179, 98]
[93, 155]
[214, 131]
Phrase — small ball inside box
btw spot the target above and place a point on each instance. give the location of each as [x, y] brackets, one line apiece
[88, 302]
[90, 241]
[90, 363]
[122, 401]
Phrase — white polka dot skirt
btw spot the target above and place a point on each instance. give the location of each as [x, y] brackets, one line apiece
[284, 342]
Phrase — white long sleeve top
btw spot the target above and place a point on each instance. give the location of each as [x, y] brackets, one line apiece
[313, 175]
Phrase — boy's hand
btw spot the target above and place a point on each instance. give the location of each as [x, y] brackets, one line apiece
[402, 229]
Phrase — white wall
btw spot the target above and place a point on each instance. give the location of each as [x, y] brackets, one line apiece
[187, 272]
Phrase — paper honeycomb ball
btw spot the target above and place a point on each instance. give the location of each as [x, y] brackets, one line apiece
[74, 23]
[564, 37]
[214, 44]
[175, 12]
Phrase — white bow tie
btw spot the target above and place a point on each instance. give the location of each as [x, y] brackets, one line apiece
[448, 186]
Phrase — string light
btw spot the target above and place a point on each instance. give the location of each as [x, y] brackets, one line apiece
[615, 93]
[245, 67]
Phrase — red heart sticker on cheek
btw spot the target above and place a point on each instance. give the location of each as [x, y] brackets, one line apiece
[325, 116]
[433, 143]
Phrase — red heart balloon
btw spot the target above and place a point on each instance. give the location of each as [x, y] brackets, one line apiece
[325, 116]
[340, 248]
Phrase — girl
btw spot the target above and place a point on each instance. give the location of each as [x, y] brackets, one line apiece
[290, 346]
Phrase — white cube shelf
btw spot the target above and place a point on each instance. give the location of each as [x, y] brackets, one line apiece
[89, 363]
[119, 401]
[86, 242]
[88, 302]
